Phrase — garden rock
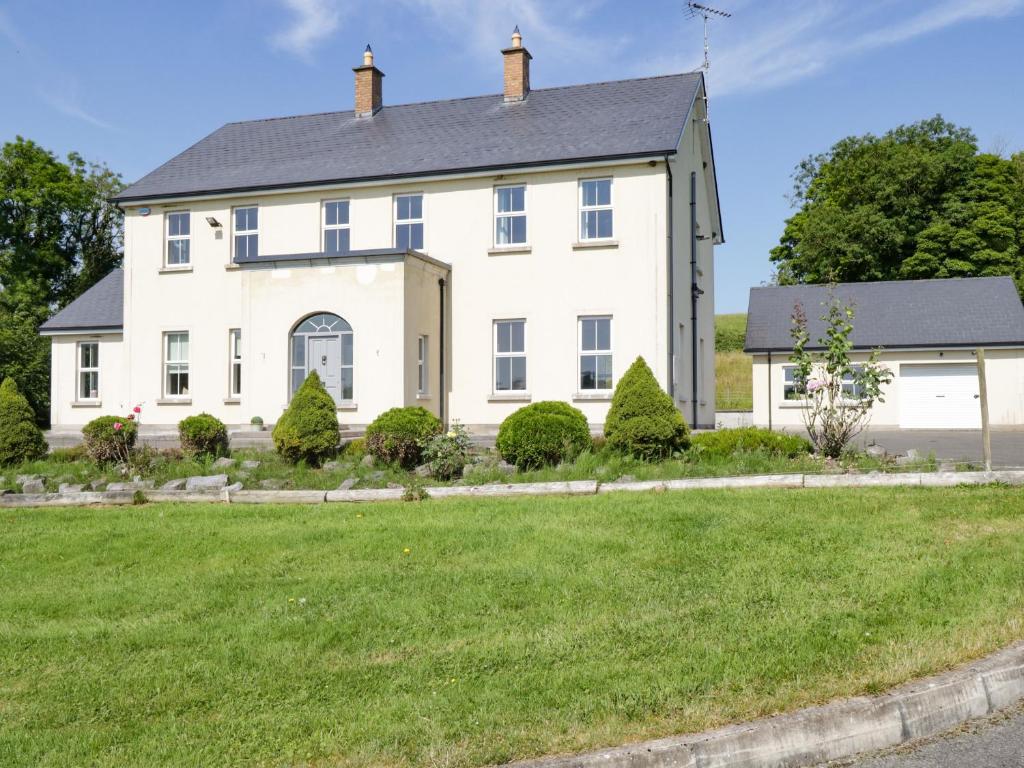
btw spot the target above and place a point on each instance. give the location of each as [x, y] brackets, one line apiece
[423, 470]
[70, 488]
[271, 484]
[33, 486]
[22, 479]
[330, 466]
[504, 466]
[134, 485]
[367, 461]
[348, 483]
[376, 476]
[177, 484]
[875, 451]
[98, 485]
[911, 456]
[233, 488]
[223, 463]
[250, 464]
[206, 482]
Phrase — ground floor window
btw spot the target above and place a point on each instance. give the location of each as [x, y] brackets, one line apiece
[422, 382]
[509, 355]
[176, 365]
[88, 370]
[235, 353]
[323, 343]
[793, 387]
[595, 353]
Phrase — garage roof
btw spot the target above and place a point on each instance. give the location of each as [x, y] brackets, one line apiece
[900, 314]
[101, 308]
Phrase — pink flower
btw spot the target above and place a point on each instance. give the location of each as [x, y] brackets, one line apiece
[814, 385]
[137, 409]
[118, 426]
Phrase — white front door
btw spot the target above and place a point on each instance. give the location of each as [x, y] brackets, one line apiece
[941, 396]
[325, 359]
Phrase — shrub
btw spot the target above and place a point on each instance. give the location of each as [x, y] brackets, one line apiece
[107, 442]
[308, 429]
[643, 421]
[203, 435]
[728, 442]
[354, 449]
[446, 454]
[20, 438]
[543, 433]
[398, 435]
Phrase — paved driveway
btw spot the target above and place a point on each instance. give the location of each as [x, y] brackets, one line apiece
[994, 743]
[956, 444]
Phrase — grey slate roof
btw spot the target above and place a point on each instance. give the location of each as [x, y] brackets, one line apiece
[960, 312]
[625, 118]
[99, 308]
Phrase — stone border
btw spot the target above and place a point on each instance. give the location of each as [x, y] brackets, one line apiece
[561, 488]
[841, 729]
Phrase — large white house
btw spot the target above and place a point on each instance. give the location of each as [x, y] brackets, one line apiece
[468, 255]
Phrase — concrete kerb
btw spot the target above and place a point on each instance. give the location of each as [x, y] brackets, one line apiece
[564, 488]
[834, 731]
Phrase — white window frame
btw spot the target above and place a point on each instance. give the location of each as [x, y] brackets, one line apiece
[510, 354]
[422, 364]
[325, 227]
[596, 352]
[182, 365]
[421, 220]
[521, 214]
[584, 209]
[80, 369]
[169, 238]
[236, 232]
[235, 362]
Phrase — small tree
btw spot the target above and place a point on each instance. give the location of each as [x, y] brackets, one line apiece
[20, 438]
[839, 394]
[643, 421]
[308, 430]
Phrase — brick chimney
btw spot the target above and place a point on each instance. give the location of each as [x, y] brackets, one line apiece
[369, 91]
[517, 69]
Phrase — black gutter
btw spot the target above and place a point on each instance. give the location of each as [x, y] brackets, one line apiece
[671, 284]
[441, 384]
[694, 290]
[390, 176]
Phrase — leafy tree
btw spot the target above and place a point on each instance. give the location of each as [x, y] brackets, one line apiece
[917, 202]
[20, 438]
[59, 234]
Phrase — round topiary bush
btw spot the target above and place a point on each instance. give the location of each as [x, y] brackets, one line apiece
[106, 442]
[643, 421]
[398, 435]
[20, 438]
[203, 435]
[543, 433]
[308, 429]
[727, 442]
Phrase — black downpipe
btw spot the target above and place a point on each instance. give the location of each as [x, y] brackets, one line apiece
[694, 290]
[441, 385]
[671, 298]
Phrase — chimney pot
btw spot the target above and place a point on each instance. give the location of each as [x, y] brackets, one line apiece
[517, 69]
[369, 86]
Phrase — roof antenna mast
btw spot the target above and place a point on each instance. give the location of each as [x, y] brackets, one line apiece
[707, 13]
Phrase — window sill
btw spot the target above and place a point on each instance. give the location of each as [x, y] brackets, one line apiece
[424, 396]
[175, 270]
[502, 250]
[86, 403]
[232, 267]
[585, 244]
[598, 397]
[512, 397]
[174, 401]
[232, 401]
[348, 405]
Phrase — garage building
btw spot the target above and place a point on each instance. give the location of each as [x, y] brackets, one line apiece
[929, 332]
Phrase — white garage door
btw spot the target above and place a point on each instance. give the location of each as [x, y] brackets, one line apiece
[939, 397]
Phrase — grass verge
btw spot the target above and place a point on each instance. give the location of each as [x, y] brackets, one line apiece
[472, 632]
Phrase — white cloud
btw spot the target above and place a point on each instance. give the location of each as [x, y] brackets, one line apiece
[314, 21]
[71, 108]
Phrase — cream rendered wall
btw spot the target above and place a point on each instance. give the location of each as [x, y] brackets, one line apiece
[423, 317]
[64, 405]
[1004, 370]
[691, 158]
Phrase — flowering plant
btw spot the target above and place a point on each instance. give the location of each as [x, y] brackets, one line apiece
[841, 393]
[446, 453]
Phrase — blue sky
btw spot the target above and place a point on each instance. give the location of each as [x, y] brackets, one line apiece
[132, 84]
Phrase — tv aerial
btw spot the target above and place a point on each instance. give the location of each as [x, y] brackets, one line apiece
[707, 13]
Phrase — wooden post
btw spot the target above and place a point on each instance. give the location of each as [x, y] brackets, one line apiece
[986, 437]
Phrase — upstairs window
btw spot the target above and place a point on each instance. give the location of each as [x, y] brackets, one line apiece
[509, 355]
[596, 209]
[510, 215]
[409, 222]
[336, 227]
[595, 354]
[247, 237]
[179, 237]
[88, 370]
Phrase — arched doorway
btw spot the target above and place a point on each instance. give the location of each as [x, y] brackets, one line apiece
[323, 343]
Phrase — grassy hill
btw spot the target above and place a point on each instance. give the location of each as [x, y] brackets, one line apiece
[733, 369]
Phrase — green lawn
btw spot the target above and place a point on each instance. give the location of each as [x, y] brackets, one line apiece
[734, 387]
[472, 632]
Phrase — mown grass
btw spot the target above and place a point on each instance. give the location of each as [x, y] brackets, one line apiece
[474, 632]
[734, 381]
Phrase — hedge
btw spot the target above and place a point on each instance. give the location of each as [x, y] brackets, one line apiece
[548, 432]
[398, 435]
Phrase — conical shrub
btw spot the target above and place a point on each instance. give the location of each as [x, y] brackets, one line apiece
[20, 439]
[308, 429]
[643, 421]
